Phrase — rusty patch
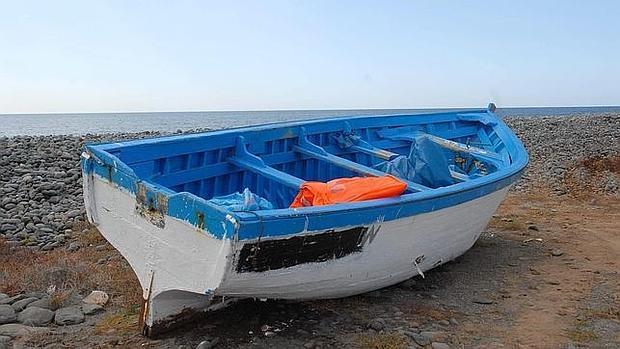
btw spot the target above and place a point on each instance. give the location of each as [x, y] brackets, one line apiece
[152, 211]
[200, 220]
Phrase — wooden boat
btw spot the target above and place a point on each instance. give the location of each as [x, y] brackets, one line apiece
[152, 200]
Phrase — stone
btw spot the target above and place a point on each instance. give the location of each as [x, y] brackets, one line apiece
[41, 303]
[35, 316]
[439, 345]
[434, 336]
[96, 297]
[482, 300]
[15, 330]
[208, 344]
[377, 324]
[13, 299]
[68, 316]
[557, 252]
[21, 305]
[73, 246]
[73, 213]
[7, 314]
[90, 309]
[421, 339]
[37, 295]
[5, 342]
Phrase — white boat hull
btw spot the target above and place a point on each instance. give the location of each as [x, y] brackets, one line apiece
[183, 270]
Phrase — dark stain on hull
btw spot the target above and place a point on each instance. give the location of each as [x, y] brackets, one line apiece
[283, 253]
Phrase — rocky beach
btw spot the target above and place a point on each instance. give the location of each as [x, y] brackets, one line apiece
[547, 262]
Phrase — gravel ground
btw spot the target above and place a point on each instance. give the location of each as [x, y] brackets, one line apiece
[510, 290]
[557, 145]
[41, 187]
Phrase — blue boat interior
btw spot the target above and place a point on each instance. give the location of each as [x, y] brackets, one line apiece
[272, 161]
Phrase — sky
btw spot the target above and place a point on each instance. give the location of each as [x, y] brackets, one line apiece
[106, 56]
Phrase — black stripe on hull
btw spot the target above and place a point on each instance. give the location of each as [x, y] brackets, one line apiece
[266, 255]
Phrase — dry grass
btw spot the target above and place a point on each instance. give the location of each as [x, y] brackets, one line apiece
[125, 321]
[58, 298]
[598, 164]
[383, 341]
[63, 274]
[588, 176]
[582, 334]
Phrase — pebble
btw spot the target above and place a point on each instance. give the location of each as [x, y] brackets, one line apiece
[15, 330]
[482, 300]
[68, 316]
[13, 299]
[37, 295]
[96, 297]
[41, 303]
[377, 324]
[208, 344]
[421, 339]
[73, 246]
[434, 335]
[556, 144]
[35, 316]
[90, 309]
[7, 314]
[439, 345]
[5, 342]
[21, 304]
[557, 252]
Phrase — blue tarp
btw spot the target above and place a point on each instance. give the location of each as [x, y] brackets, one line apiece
[426, 164]
[246, 201]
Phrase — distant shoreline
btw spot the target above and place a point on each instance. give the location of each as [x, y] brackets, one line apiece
[171, 122]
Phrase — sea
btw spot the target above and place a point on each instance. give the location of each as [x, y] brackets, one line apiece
[97, 123]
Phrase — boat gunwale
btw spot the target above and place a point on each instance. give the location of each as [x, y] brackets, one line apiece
[518, 156]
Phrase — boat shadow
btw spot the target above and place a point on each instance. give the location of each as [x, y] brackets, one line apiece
[462, 286]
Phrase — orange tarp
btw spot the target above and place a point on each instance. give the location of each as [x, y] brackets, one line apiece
[348, 190]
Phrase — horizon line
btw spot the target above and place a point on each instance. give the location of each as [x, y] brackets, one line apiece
[296, 110]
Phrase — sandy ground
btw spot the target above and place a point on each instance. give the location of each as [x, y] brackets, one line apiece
[543, 275]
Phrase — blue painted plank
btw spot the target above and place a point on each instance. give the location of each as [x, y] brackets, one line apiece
[310, 149]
